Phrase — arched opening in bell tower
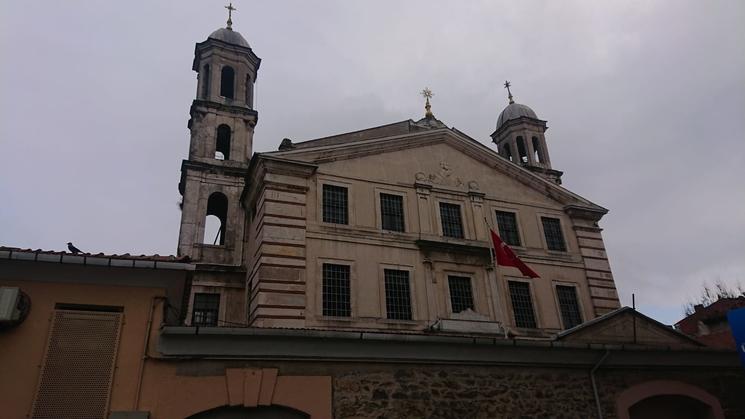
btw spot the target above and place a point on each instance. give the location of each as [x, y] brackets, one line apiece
[537, 150]
[215, 222]
[506, 152]
[522, 151]
[227, 82]
[222, 143]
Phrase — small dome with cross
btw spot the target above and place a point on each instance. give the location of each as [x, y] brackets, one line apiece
[515, 111]
[229, 36]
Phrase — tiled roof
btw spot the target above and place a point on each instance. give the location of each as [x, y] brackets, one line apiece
[97, 259]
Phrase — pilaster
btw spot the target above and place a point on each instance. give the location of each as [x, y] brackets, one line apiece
[276, 284]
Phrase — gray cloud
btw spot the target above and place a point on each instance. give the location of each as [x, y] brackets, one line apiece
[645, 103]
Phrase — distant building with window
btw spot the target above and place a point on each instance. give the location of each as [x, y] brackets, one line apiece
[708, 323]
[350, 276]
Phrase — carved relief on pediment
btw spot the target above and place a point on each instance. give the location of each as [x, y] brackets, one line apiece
[443, 176]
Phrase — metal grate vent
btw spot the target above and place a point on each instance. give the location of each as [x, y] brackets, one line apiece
[78, 365]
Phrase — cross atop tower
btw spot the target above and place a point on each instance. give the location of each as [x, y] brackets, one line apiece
[427, 107]
[230, 15]
[507, 86]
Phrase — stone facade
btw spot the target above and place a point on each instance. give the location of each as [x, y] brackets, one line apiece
[273, 231]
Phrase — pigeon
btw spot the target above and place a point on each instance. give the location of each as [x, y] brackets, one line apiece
[73, 249]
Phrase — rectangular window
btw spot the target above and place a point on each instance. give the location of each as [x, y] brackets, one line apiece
[461, 296]
[78, 366]
[507, 224]
[452, 225]
[522, 305]
[392, 212]
[569, 306]
[206, 309]
[552, 231]
[335, 204]
[397, 295]
[336, 294]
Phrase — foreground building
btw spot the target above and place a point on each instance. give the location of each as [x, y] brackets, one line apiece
[350, 276]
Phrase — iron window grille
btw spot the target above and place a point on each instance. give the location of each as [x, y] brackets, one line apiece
[569, 306]
[554, 237]
[392, 212]
[452, 224]
[206, 309]
[336, 294]
[335, 204]
[507, 224]
[397, 294]
[461, 295]
[522, 304]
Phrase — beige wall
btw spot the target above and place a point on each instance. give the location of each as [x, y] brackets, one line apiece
[22, 348]
[426, 176]
[167, 389]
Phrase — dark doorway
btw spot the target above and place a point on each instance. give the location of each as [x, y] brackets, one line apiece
[670, 407]
[263, 412]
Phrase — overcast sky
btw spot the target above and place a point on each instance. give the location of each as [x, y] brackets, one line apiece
[645, 101]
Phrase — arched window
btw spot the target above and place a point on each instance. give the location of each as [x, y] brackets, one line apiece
[506, 152]
[215, 222]
[222, 144]
[205, 76]
[227, 82]
[537, 151]
[522, 151]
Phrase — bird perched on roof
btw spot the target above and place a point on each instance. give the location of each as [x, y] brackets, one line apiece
[73, 249]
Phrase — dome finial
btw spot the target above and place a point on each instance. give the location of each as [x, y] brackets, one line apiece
[427, 107]
[230, 15]
[509, 94]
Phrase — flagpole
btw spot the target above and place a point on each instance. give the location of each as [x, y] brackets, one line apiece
[501, 305]
[492, 254]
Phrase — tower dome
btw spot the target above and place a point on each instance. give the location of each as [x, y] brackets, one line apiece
[229, 36]
[514, 111]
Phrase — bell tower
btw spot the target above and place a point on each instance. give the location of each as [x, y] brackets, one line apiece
[222, 121]
[520, 138]
[222, 126]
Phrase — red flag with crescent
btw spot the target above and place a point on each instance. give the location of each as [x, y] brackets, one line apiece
[506, 257]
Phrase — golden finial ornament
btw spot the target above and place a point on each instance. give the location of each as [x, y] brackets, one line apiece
[427, 107]
[231, 9]
[509, 94]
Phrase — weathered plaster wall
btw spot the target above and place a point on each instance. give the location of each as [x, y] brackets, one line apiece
[22, 348]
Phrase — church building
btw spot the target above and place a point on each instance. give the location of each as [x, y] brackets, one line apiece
[350, 276]
[385, 228]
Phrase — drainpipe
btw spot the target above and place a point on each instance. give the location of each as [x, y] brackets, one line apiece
[594, 384]
[145, 350]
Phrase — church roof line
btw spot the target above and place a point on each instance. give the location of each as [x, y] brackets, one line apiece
[374, 132]
[365, 146]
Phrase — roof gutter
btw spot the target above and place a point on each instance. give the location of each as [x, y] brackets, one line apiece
[93, 260]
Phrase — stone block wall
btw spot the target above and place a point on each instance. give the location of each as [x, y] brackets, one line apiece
[507, 392]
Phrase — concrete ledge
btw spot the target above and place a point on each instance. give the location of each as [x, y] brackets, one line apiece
[349, 346]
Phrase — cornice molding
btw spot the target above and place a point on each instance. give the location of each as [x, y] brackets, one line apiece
[221, 107]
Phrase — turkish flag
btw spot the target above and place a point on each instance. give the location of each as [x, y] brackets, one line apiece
[506, 257]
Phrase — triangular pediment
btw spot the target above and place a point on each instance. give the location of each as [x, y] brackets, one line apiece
[445, 158]
[626, 326]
